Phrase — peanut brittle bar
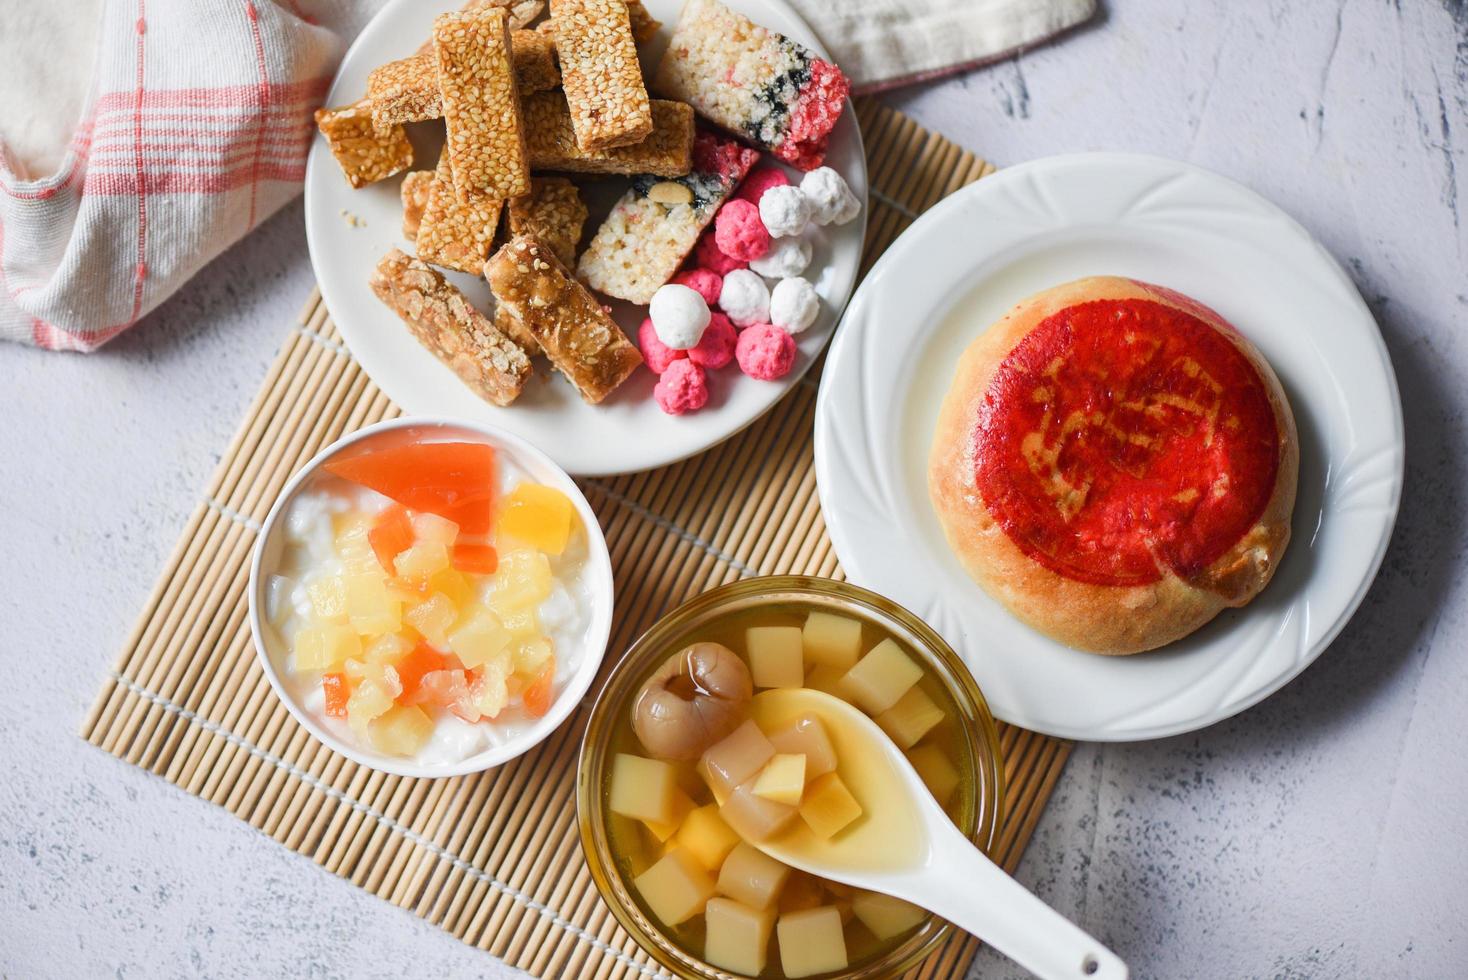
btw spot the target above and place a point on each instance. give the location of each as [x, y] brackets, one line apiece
[416, 186]
[600, 73]
[577, 334]
[520, 12]
[406, 90]
[455, 332]
[511, 326]
[365, 153]
[455, 233]
[551, 141]
[552, 213]
[753, 82]
[485, 140]
[656, 224]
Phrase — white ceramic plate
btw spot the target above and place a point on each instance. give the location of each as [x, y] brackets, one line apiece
[965, 263]
[627, 432]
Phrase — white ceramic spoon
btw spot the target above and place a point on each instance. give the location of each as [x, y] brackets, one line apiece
[906, 846]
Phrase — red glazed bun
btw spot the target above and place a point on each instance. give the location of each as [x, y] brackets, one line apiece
[1115, 463]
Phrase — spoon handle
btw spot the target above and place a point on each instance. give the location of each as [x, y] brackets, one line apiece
[975, 894]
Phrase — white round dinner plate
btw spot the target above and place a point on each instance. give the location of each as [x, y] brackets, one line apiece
[349, 231]
[960, 267]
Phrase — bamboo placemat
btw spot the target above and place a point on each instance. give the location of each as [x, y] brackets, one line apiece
[493, 858]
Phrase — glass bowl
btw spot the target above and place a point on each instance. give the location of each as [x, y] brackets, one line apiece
[979, 795]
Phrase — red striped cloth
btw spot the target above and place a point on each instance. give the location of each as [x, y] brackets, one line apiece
[197, 129]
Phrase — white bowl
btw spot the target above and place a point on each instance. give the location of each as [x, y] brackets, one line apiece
[270, 647]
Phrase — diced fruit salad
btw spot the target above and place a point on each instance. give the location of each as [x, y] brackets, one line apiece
[699, 783]
[430, 597]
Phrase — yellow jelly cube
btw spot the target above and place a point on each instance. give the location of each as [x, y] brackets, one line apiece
[802, 891]
[387, 649]
[884, 915]
[432, 618]
[400, 730]
[782, 780]
[736, 936]
[532, 656]
[913, 716]
[323, 647]
[421, 562]
[479, 639]
[539, 516]
[775, 656]
[433, 529]
[829, 806]
[371, 609]
[754, 817]
[643, 789]
[493, 692]
[752, 877]
[937, 771]
[706, 836]
[880, 678]
[675, 888]
[827, 680]
[811, 941]
[741, 754]
[663, 830]
[328, 595]
[807, 736]
[832, 641]
[522, 581]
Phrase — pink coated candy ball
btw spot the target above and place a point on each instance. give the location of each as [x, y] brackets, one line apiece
[765, 352]
[682, 388]
[739, 232]
[709, 256]
[716, 348]
[657, 354]
[704, 282]
[761, 180]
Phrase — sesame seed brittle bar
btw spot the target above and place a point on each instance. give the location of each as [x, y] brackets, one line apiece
[600, 73]
[456, 333]
[365, 153]
[551, 141]
[406, 90]
[644, 25]
[577, 334]
[485, 139]
[657, 222]
[455, 233]
[753, 82]
[553, 213]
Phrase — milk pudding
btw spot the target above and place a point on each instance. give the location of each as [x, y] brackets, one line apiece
[431, 599]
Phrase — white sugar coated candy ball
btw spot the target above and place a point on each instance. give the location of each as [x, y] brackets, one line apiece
[784, 210]
[679, 316]
[744, 297]
[794, 304]
[831, 200]
[787, 257]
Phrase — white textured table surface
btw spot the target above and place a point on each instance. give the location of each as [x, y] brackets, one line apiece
[1320, 834]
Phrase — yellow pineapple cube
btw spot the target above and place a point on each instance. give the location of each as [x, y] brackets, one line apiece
[643, 789]
[539, 516]
[453, 584]
[737, 936]
[421, 561]
[782, 780]
[387, 649]
[371, 609]
[706, 836]
[884, 915]
[775, 655]
[913, 716]
[371, 697]
[752, 877]
[664, 830]
[522, 581]
[323, 647]
[328, 595]
[811, 941]
[433, 529]
[829, 807]
[523, 624]
[400, 730]
[832, 641]
[530, 657]
[352, 543]
[432, 618]
[807, 736]
[479, 639]
[937, 771]
[880, 678]
[493, 693]
[675, 888]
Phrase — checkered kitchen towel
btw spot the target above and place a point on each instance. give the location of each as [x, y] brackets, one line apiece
[199, 120]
